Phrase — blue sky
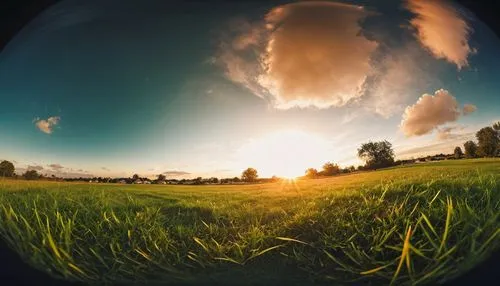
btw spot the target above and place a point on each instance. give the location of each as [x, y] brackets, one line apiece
[151, 87]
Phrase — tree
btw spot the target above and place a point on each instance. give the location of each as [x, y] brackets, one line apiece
[161, 178]
[249, 175]
[496, 126]
[311, 173]
[6, 169]
[470, 148]
[458, 152]
[330, 169]
[488, 142]
[377, 154]
[135, 177]
[31, 175]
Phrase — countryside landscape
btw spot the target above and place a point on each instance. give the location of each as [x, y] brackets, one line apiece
[300, 142]
[414, 223]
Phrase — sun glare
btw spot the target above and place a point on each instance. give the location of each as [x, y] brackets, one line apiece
[286, 153]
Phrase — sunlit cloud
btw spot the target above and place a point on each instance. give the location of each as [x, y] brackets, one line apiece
[302, 55]
[442, 29]
[468, 109]
[47, 125]
[430, 112]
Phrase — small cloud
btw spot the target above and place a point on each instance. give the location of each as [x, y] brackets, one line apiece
[442, 29]
[47, 125]
[430, 112]
[35, 167]
[447, 133]
[56, 167]
[105, 169]
[468, 109]
[175, 173]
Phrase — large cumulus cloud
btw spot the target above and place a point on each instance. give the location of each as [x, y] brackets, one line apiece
[302, 54]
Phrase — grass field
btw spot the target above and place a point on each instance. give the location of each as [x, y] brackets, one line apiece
[418, 224]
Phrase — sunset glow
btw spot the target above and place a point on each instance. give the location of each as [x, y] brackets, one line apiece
[285, 153]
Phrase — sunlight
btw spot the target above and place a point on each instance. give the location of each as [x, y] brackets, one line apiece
[286, 153]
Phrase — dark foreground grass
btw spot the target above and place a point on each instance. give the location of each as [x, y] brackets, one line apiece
[414, 225]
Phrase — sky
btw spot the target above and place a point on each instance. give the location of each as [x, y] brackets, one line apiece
[114, 88]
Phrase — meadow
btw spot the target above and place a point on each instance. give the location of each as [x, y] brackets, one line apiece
[410, 225]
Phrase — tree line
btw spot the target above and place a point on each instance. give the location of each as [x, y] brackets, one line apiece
[487, 145]
[376, 155]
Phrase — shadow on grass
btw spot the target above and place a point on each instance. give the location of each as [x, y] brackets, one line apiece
[15, 271]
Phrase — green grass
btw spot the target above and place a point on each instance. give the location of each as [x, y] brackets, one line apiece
[418, 224]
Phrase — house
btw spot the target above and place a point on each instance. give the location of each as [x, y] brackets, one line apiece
[138, 181]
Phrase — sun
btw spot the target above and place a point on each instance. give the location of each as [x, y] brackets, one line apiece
[284, 153]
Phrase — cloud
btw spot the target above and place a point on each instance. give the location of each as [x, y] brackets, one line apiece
[301, 55]
[397, 75]
[47, 125]
[447, 133]
[35, 167]
[468, 109]
[175, 173]
[105, 169]
[445, 147]
[442, 30]
[429, 112]
[56, 167]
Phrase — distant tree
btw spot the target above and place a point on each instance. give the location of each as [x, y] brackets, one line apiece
[488, 142]
[377, 154]
[135, 177]
[236, 179]
[161, 178]
[330, 169]
[311, 173]
[6, 169]
[198, 180]
[214, 180]
[249, 175]
[496, 126]
[458, 152]
[470, 148]
[352, 169]
[31, 175]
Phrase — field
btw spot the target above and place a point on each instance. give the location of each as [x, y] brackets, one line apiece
[418, 224]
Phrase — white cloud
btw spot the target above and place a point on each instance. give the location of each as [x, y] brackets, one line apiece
[430, 112]
[442, 30]
[47, 125]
